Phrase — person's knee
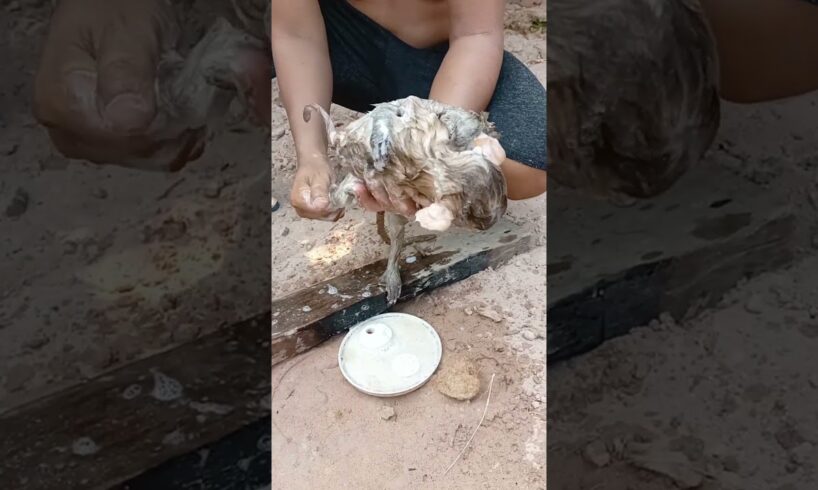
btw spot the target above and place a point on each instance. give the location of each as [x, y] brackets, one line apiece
[523, 181]
[540, 184]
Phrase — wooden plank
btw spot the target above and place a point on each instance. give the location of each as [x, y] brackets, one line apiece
[310, 316]
[611, 269]
[109, 429]
[240, 461]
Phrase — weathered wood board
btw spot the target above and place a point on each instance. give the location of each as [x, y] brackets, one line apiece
[312, 315]
[103, 432]
[611, 269]
[240, 460]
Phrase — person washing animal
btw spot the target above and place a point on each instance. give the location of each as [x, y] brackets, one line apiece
[95, 88]
[357, 53]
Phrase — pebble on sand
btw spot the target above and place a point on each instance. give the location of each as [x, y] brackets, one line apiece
[18, 204]
[490, 314]
[458, 379]
[596, 453]
[387, 413]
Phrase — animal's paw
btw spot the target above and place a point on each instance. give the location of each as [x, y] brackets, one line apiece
[490, 148]
[391, 281]
[435, 217]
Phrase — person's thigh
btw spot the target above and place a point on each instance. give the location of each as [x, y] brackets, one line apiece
[518, 109]
[767, 48]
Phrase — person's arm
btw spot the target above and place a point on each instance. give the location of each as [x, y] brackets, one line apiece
[303, 69]
[468, 75]
[302, 65]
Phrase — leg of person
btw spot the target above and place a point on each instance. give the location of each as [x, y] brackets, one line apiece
[767, 48]
[518, 110]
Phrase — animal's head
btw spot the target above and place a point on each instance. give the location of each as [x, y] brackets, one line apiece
[484, 199]
[481, 200]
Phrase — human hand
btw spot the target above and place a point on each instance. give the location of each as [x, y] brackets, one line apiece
[310, 192]
[375, 198]
[94, 88]
[96, 85]
[490, 148]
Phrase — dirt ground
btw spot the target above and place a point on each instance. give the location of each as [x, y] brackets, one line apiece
[721, 400]
[325, 431]
[104, 264]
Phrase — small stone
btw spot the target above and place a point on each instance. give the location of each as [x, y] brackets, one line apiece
[411, 259]
[36, 343]
[213, 189]
[755, 304]
[802, 453]
[458, 379]
[788, 438]
[597, 454]
[9, 148]
[387, 413]
[99, 193]
[490, 314]
[18, 204]
[54, 162]
[469, 311]
[278, 132]
[671, 464]
[285, 231]
[529, 335]
[730, 463]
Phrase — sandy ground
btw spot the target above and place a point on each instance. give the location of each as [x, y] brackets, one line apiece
[104, 264]
[325, 431]
[726, 399]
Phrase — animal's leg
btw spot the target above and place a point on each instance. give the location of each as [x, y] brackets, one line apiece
[381, 228]
[408, 241]
[395, 225]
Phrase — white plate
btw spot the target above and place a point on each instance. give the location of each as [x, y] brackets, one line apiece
[390, 354]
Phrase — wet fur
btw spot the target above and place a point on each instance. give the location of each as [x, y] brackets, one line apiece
[420, 149]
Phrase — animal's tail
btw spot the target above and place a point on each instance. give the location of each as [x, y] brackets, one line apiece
[330, 127]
